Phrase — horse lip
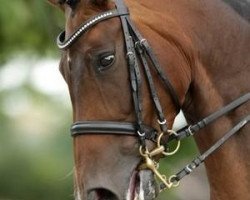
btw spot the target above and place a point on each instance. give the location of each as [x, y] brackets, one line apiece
[148, 186]
[142, 186]
[132, 186]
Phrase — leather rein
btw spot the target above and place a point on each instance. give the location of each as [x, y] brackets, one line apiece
[139, 50]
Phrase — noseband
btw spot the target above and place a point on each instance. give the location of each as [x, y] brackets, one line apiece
[139, 50]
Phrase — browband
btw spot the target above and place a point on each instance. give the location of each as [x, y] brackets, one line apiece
[64, 43]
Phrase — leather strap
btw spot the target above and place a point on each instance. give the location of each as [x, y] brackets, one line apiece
[163, 76]
[200, 159]
[186, 132]
[134, 71]
[153, 93]
[112, 128]
[189, 131]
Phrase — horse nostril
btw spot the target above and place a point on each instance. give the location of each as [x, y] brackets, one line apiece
[101, 194]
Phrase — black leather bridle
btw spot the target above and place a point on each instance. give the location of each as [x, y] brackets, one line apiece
[138, 50]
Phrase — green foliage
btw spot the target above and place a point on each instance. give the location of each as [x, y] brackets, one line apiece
[28, 25]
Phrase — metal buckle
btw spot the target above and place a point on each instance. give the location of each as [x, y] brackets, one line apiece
[190, 131]
[130, 53]
[142, 41]
[162, 122]
[141, 134]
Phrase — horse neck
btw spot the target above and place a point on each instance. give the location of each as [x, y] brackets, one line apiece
[219, 76]
[213, 58]
[229, 166]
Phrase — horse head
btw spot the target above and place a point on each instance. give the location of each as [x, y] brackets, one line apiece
[95, 66]
[123, 114]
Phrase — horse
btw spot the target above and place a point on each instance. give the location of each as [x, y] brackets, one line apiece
[203, 50]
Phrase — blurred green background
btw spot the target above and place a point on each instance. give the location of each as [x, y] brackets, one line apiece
[35, 146]
[36, 161]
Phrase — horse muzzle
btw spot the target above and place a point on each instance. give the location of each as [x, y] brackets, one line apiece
[142, 186]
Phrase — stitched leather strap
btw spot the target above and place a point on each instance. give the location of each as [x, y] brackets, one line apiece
[163, 76]
[112, 128]
[200, 159]
[135, 75]
[189, 131]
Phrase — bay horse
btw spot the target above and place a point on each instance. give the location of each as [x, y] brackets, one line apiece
[200, 50]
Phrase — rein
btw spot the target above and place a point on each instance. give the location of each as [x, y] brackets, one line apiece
[139, 50]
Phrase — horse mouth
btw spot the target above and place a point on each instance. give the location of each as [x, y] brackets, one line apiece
[142, 186]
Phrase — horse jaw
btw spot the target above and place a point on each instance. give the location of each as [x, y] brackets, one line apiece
[142, 186]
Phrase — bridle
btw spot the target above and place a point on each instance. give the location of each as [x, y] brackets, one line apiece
[136, 47]
[139, 50]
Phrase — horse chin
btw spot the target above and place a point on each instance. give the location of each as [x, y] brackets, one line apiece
[142, 186]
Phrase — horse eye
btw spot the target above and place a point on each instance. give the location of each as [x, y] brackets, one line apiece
[71, 3]
[106, 61]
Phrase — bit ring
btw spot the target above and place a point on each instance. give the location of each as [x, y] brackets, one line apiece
[177, 147]
[143, 153]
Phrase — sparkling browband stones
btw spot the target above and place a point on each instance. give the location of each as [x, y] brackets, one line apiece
[63, 44]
